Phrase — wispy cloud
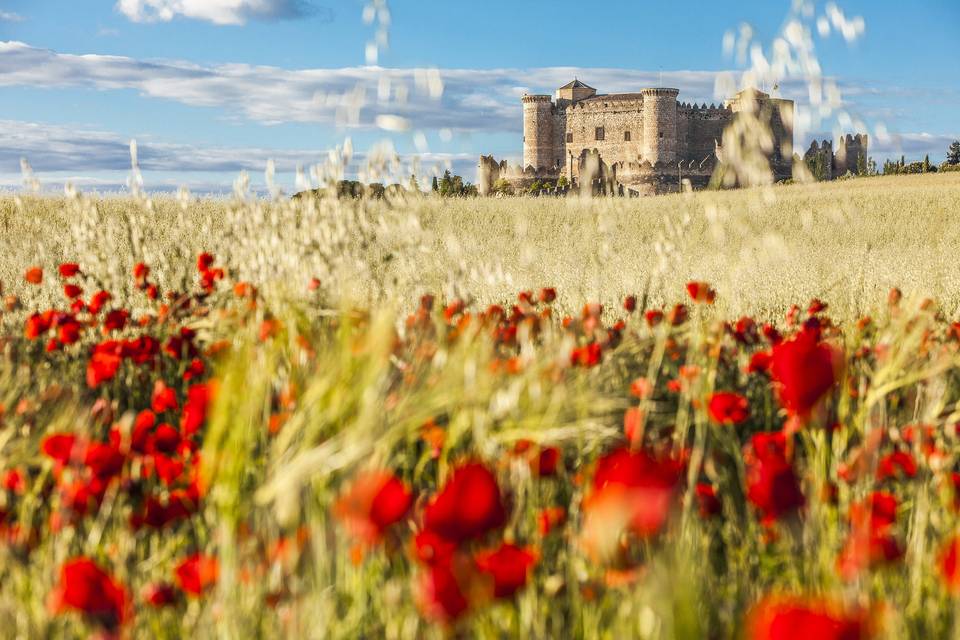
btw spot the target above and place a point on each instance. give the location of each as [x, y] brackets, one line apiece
[221, 12]
[462, 100]
[59, 149]
[471, 100]
[8, 16]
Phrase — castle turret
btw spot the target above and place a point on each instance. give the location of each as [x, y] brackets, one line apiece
[538, 133]
[575, 92]
[851, 155]
[659, 125]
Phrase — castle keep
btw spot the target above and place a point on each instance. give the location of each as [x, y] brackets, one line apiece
[646, 142]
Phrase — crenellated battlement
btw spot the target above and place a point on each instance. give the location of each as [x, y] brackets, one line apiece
[850, 156]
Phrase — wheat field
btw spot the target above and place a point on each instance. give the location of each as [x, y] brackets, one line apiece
[487, 418]
[848, 242]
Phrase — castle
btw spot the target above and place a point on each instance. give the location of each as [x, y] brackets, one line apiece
[646, 142]
[850, 157]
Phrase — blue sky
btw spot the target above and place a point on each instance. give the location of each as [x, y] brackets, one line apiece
[212, 87]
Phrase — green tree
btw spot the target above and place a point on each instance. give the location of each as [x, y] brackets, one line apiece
[926, 164]
[435, 186]
[953, 153]
[562, 182]
[503, 186]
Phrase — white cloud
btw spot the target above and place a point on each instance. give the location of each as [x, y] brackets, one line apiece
[472, 100]
[7, 16]
[222, 12]
[61, 151]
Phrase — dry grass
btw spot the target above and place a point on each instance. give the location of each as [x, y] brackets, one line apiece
[848, 242]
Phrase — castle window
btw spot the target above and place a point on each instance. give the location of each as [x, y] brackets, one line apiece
[599, 133]
[569, 137]
[661, 134]
[626, 136]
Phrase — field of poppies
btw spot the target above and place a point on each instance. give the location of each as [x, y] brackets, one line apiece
[281, 436]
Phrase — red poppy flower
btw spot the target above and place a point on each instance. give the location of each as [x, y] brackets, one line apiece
[772, 484]
[587, 356]
[195, 409]
[707, 501]
[804, 369]
[165, 439]
[760, 362]
[168, 469]
[195, 369]
[373, 502]
[98, 300]
[142, 426]
[816, 306]
[678, 315]
[546, 462]
[196, 573]
[116, 320]
[632, 491]
[36, 325]
[164, 398]
[62, 447]
[13, 481]
[68, 331]
[439, 593]
[509, 566]
[866, 549]
[34, 275]
[550, 518]
[653, 317]
[140, 272]
[701, 292]
[728, 408]
[794, 618]
[548, 295]
[103, 365]
[632, 425]
[159, 594]
[69, 269]
[888, 465]
[72, 291]
[467, 506]
[432, 548]
[204, 262]
[103, 460]
[949, 564]
[87, 588]
[630, 304]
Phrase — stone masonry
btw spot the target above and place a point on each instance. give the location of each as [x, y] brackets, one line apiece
[648, 141]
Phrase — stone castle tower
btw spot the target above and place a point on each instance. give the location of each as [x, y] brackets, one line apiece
[641, 137]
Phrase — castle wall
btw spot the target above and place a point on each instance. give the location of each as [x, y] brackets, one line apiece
[851, 154]
[538, 132]
[700, 130]
[660, 125]
[616, 117]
